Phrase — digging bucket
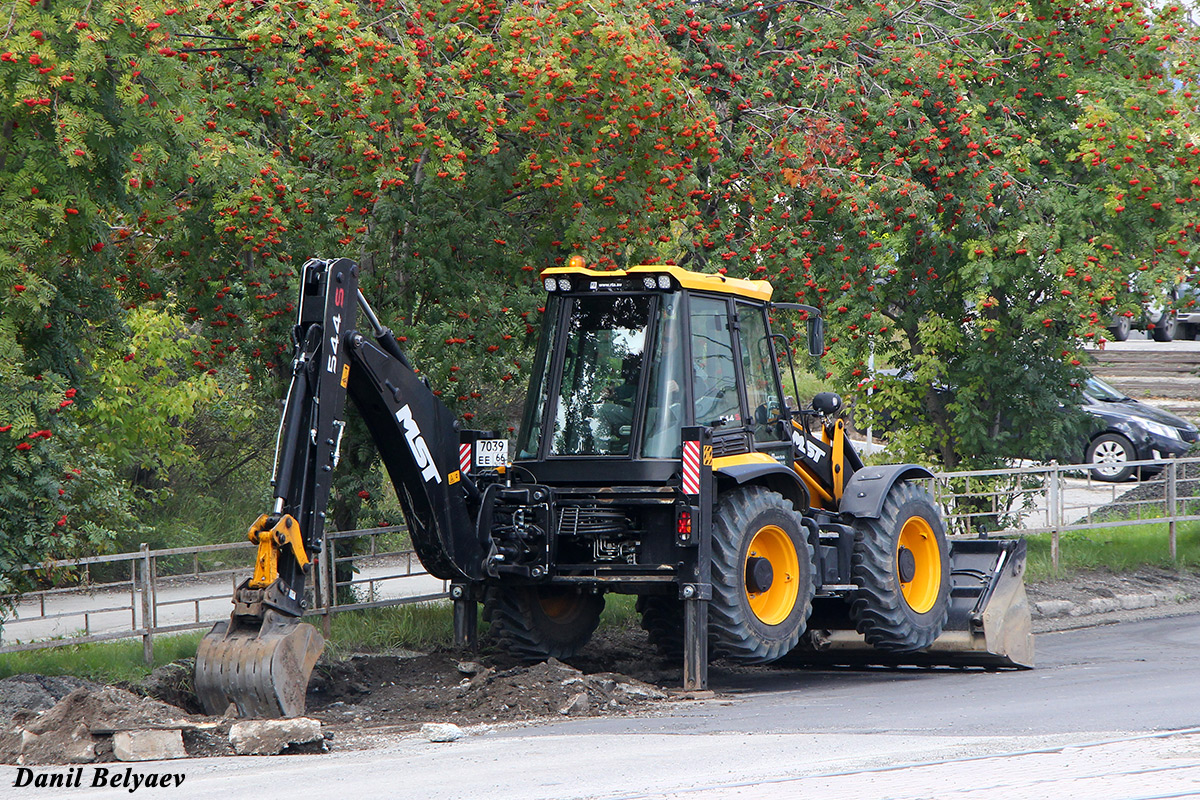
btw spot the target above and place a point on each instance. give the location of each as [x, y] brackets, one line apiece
[262, 670]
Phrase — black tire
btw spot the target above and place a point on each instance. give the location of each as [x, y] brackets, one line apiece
[894, 615]
[535, 623]
[1120, 328]
[1112, 450]
[1164, 327]
[662, 619]
[756, 617]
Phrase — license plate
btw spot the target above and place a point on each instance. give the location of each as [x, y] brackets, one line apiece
[491, 452]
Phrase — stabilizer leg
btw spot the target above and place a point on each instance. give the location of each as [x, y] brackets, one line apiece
[466, 618]
[695, 645]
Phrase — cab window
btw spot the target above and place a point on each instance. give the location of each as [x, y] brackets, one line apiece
[714, 376]
[758, 366]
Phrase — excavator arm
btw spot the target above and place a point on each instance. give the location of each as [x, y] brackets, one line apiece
[260, 659]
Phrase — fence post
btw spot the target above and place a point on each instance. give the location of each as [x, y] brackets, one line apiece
[325, 575]
[147, 607]
[1172, 506]
[1054, 500]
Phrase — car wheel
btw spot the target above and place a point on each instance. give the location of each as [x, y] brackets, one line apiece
[1164, 328]
[1120, 328]
[1111, 452]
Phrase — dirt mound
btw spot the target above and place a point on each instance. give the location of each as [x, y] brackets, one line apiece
[353, 699]
[78, 728]
[172, 684]
[402, 692]
[33, 693]
[1148, 496]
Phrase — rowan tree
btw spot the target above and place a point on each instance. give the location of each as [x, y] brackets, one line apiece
[94, 137]
[969, 191]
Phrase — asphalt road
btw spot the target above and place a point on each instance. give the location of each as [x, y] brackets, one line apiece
[1111, 712]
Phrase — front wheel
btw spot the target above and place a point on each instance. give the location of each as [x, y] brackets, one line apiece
[901, 565]
[1120, 328]
[535, 623]
[1164, 328]
[762, 577]
[1111, 452]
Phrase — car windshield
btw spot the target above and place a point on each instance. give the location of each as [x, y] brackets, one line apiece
[1097, 389]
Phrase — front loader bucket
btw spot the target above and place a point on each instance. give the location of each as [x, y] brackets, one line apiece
[263, 671]
[989, 624]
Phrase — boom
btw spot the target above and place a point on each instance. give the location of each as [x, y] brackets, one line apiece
[257, 658]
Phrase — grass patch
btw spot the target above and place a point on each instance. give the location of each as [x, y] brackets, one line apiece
[619, 611]
[423, 626]
[105, 662]
[419, 626]
[1123, 549]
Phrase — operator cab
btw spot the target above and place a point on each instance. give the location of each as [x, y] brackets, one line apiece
[628, 358]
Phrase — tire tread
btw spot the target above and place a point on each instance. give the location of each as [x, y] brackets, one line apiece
[731, 632]
[879, 609]
[517, 630]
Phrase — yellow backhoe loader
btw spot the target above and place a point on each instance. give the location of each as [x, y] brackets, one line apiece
[660, 456]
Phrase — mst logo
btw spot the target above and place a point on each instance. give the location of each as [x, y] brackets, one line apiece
[416, 443]
[808, 447]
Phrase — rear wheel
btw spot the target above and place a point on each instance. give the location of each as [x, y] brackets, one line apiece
[762, 577]
[534, 623]
[901, 565]
[1111, 452]
[662, 619]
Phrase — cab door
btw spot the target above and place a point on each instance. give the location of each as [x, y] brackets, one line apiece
[765, 409]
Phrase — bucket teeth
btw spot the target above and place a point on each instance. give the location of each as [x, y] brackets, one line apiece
[262, 671]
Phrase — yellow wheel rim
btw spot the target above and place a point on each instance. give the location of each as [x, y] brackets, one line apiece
[556, 604]
[775, 604]
[921, 593]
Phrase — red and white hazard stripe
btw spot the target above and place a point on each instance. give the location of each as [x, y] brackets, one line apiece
[691, 467]
[464, 457]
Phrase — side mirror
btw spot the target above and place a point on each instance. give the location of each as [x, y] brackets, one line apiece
[816, 336]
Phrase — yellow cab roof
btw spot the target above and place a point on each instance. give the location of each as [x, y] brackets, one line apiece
[702, 281]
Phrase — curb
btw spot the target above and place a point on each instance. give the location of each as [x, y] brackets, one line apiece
[1053, 609]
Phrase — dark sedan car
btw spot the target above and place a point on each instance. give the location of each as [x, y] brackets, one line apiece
[1127, 430]
[1123, 430]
